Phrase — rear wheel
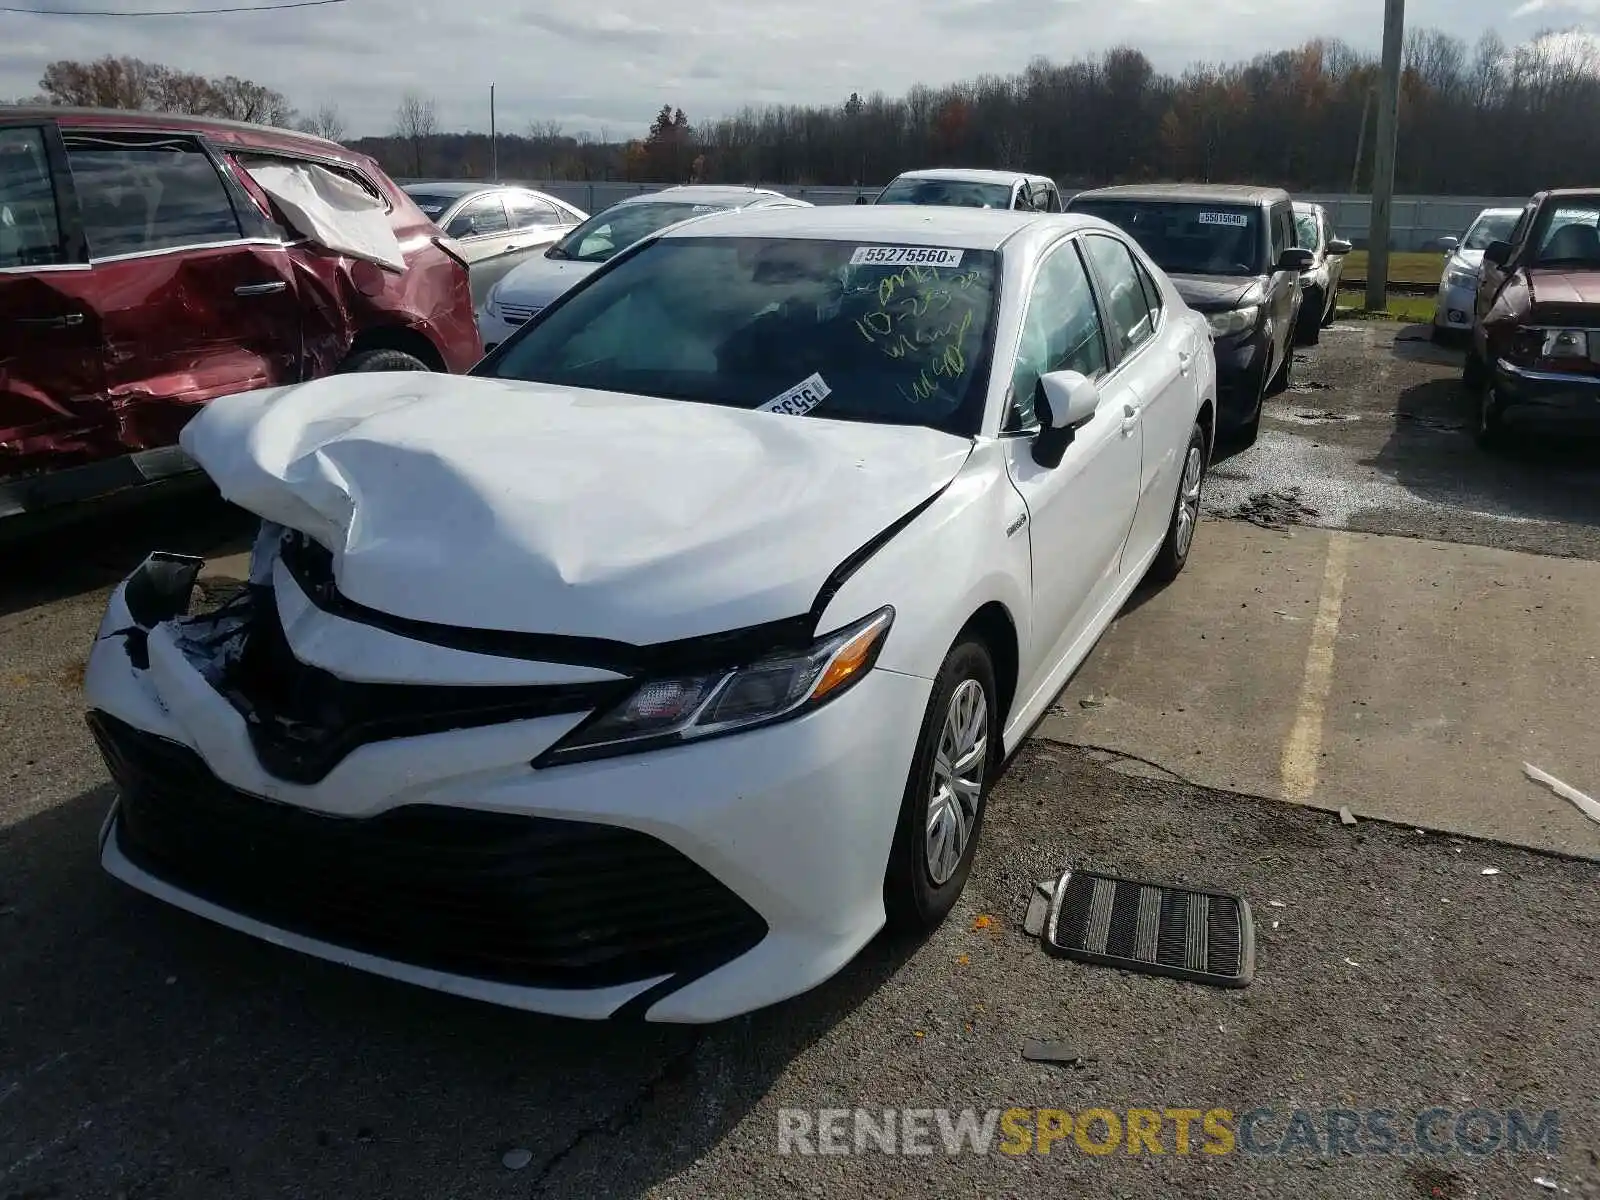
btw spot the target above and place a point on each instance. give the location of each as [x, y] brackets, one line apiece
[1313, 305]
[1174, 552]
[941, 812]
[382, 360]
[1492, 432]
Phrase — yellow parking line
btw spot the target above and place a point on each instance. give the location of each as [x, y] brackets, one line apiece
[1303, 748]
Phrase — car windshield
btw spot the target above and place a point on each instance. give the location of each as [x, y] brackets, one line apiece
[1306, 233]
[1491, 227]
[432, 205]
[1570, 234]
[950, 193]
[892, 334]
[603, 235]
[1189, 238]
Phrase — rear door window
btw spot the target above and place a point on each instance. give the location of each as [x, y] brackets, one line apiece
[140, 193]
[528, 211]
[1127, 308]
[30, 224]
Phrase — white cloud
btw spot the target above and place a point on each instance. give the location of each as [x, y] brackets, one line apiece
[608, 67]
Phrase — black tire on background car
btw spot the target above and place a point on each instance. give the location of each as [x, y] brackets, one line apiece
[382, 360]
[1174, 552]
[1280, 379]
[1492, 432]
[1312, 305]
[957, 752]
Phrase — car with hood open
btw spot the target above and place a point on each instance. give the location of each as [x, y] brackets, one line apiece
[151, 263]
[967, 187]
[1231, 251]
[533, 284]
[1534, 362]
[655, 665]
[1458, 283]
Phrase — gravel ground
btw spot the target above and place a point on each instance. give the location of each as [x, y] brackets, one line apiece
[1376, 434]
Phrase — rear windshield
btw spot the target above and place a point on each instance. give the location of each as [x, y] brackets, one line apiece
[432, 206]
[619, 227]
[1491, 227]
[894, 335]
[1188, 238]
[947, 192]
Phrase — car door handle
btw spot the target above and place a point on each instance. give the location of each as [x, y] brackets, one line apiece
[261, 289]
[1130, 418]
[62, 322]
[1184, 359]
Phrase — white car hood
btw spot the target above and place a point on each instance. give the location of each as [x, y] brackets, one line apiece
[489, 504]
[539, 280]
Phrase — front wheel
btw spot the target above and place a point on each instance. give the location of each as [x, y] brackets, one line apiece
[1312, 306]
[941, 812]
[382, 360]
[1174, 552]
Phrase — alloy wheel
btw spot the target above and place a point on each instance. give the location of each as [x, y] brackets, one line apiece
[1189, 500]
[958, 773]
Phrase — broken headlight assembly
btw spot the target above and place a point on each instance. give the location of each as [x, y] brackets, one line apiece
[674, 711]
[1554, 350]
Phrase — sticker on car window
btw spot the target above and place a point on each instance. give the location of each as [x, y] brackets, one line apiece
[704, 208]
[1239, 220]
[898, 256]
[801, 398]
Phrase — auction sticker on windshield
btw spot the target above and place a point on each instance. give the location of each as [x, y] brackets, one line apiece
[801, 398]
[1236, 219]
[896, 256]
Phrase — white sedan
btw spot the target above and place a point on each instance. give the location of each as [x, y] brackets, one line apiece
[658, 666]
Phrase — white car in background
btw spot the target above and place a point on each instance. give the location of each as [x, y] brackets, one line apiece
[1458, 288]
[494, 226]
[967, 187]
[656, 664]
[535, 283]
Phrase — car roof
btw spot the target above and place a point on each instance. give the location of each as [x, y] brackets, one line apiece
[1198, 193]
[1507, 212]
[919, 225]
[971, 175]
[696, 193]
[238, 131]
[448, 187]
[1308, 206]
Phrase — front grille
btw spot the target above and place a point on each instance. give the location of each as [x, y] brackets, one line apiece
[495, 896]
[303, 721]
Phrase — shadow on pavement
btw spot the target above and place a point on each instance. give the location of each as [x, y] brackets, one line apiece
[147, 1052]
[66, 553]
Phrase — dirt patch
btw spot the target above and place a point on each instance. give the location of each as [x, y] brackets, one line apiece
[1273, 510]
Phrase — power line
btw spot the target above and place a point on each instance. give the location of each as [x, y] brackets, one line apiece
[165, 12]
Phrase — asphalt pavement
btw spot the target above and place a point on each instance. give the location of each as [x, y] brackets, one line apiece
[144, 1053]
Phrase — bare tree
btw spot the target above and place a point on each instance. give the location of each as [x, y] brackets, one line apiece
[326, 122]
[415, 122]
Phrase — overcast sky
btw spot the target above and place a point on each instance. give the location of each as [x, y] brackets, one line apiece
[606, 66]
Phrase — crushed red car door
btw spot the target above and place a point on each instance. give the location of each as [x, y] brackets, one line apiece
[192, 303]
[51, 376]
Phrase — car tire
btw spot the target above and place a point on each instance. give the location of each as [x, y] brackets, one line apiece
[1312, 304]
[1473, 375]
[1280, 379]
[923, 880]
[1174, 552]
[1493, 435]
[382, 360]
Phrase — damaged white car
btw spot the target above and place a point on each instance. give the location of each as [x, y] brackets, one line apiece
[656, 667]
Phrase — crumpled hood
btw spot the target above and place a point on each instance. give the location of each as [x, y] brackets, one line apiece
[530, 508]
[539, 280]
[1564, 285]
[1215, 293]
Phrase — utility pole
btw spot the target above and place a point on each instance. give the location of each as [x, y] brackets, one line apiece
[494, 141]
[1394, 25]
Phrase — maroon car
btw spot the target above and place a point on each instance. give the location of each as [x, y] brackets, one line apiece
[151, 263]
[1535, 357]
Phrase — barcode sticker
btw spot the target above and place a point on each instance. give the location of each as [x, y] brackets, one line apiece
[1239, 220]
[800, 399]
[900, 256]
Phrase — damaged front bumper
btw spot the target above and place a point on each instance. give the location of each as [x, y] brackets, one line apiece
[687, 884]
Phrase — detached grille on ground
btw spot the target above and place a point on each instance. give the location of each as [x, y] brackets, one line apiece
[518, 900]
[1203, 937]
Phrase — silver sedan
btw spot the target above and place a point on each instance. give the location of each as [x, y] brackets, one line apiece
[495, 226]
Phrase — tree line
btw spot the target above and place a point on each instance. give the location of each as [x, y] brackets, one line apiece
[1484, 118]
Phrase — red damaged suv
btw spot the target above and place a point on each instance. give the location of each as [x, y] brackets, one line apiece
[151, 263]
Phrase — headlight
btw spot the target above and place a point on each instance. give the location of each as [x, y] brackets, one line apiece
[1234, 321]
[1461, 279]
[491, 302]
[1565, 343]
[1551, 349]
[672, 711]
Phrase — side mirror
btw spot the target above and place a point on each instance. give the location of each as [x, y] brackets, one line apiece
[1338, 248]
[1065, 401]
[1449, 244]
[1297, 259]
[1498, 253]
